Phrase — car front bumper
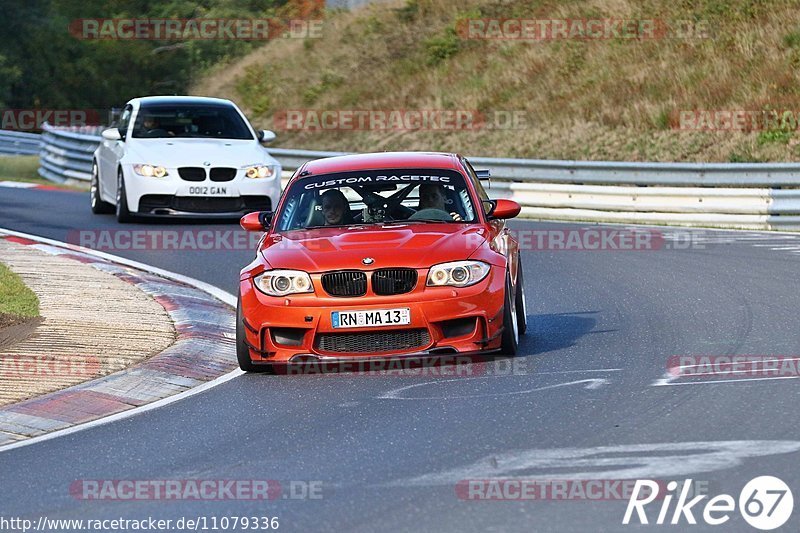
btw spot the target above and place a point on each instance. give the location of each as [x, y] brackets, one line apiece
[173, 196]
[444, 320]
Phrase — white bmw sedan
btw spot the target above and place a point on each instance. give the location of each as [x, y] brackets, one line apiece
[183, 156]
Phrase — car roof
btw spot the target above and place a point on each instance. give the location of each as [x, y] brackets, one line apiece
[382, 160]
[180, 100]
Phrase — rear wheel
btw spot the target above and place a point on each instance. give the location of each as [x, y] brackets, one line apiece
[99, 207]
[242, 350]
[510, 336]
[123, 214]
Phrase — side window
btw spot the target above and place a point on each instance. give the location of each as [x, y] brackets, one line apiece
[124, 121]
[482, 194]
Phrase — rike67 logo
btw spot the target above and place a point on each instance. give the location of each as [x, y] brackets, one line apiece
[765, 503]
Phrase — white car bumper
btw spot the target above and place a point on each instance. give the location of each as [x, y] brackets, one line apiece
[173, 195]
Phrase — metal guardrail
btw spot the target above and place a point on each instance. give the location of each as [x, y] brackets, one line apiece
[610, 172]
[730, 195]
[19, 143]
[67, 152]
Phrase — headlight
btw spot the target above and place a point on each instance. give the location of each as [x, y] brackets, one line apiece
[283, 282]
[151, 171]
[457, 273]
[259, 171]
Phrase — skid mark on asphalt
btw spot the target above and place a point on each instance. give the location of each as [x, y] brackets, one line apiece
[626, 461]
[402, 393]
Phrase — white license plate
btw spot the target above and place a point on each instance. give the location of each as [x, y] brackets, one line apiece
[206, 190]
[371, 318]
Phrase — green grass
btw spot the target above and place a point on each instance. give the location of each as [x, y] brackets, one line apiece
[23, 168]
[15, 297]
[20, 168]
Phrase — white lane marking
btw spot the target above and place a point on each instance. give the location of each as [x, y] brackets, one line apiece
[678, 230]
[124, 414]
[395, 394]
[18, 185]
[663, 382]
[666, 379]
[226, 297]
[627, 461]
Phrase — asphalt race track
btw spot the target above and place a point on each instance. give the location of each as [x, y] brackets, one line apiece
[588, 400]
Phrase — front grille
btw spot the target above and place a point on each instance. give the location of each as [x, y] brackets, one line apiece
[388, 281]
[192, 173]
[202, 204]
[198, 204]
[223, 174]
[345, 283]
[372, 342]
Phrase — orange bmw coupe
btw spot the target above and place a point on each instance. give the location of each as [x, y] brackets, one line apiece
[386, 255]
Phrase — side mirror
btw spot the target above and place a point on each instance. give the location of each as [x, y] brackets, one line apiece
[503, 209]
[266, 136]
[112, 134]
[258, 221]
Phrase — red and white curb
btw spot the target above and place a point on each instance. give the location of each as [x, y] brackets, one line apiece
[202, 356]
[25, 185]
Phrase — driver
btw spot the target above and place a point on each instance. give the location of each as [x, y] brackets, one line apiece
[335, 208]
[152, 128]
[432, 196]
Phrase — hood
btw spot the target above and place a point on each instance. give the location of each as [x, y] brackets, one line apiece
[411, 246]
[194, 152]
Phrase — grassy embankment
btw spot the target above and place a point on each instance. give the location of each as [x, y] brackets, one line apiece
[617, 99]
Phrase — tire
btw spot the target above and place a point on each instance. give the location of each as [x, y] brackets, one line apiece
[99, 207]
[242, 351]
[123, 214]
[510, 337]
[521, 303]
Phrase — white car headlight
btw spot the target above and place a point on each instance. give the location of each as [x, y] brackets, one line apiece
[151, 171]
[259, 171]
[457, 273]
[283, 282]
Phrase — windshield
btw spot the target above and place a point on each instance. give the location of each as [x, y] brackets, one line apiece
[377, 197]
[190, 120]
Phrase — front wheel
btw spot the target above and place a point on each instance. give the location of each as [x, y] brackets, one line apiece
[242, 350]
[123, 213]
[521, 303]
[99, 207]
[510, 337]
